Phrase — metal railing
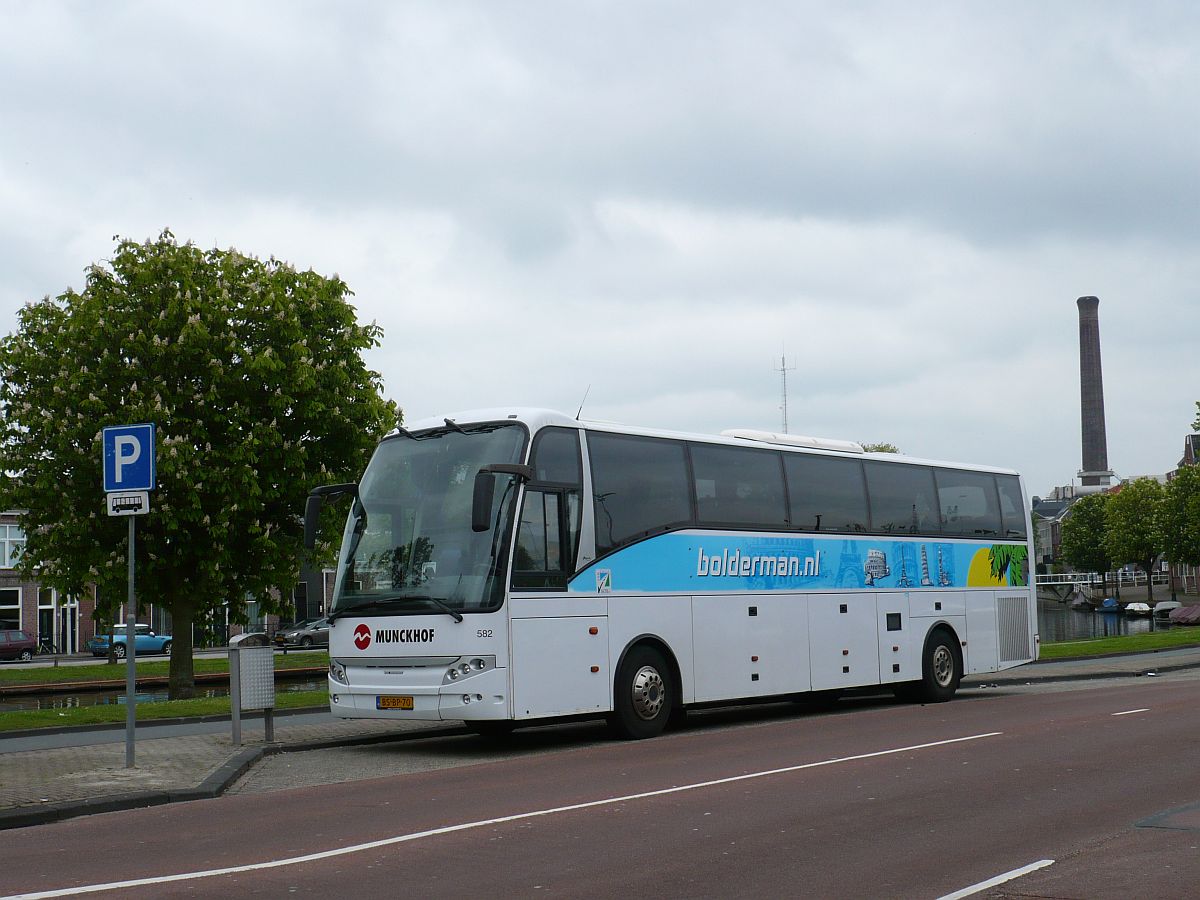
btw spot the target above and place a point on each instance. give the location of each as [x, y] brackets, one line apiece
[1131, 579]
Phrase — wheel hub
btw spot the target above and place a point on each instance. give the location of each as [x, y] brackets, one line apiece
[943, 666]
[649, 692]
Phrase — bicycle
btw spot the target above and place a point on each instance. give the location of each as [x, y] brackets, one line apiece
[45, 647]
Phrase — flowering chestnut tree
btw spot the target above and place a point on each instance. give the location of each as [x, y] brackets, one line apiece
[253, 375]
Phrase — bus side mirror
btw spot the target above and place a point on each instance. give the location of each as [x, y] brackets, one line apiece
[481, 502]
[312, 517]
[312, 508]
[485, 488]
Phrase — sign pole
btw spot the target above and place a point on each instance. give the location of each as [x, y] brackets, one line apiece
[130, 660]
[127, 455]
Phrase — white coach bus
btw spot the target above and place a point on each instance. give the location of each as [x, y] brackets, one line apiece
[505, 567]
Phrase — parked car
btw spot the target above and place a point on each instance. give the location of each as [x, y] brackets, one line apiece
[309, 633]
[16, 645]
[144, 641]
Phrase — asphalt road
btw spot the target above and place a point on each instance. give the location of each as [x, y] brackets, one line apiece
[1091, 791]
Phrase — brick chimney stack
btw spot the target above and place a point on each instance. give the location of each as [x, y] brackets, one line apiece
[1095, 471]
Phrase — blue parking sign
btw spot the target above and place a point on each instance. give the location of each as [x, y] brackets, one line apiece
[129, 458]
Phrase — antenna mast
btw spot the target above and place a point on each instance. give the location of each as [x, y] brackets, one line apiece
[783, 370]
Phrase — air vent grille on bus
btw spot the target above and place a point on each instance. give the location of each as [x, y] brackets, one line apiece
[1013, 613]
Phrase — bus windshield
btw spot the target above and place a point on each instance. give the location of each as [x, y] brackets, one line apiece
[408, 546]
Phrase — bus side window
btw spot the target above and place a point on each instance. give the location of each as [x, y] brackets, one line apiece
[639, 485]
[548, 531]
[903, 499]
[1012, 507]
[968, 503]
[738, 486]
[826, 493]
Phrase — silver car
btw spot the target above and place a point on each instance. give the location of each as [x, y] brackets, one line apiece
[310, 633]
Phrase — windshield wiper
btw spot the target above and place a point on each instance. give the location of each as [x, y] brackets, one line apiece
[375, 602]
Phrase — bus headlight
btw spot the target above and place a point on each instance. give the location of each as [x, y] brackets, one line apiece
[338, 672]
[466, 668]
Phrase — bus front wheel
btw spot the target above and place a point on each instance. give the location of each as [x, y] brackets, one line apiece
[941, 671]
[643, 695]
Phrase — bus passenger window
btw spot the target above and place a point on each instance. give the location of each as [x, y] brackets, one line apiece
[738, 486]
[639, 484]
[903, 500]
[826, 493]
[968, 503]
[1012, 507]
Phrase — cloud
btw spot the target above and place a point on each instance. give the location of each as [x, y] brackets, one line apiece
[662, 201]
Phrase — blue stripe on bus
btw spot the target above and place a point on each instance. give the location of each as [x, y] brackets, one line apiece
[693, 561]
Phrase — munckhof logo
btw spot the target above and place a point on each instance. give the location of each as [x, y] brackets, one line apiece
[362, 636]
[403, 635]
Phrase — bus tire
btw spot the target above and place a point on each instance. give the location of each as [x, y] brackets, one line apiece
[941, 670]
[643, 695]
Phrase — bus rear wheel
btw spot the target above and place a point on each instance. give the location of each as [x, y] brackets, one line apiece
[643, 695]
[941, 671]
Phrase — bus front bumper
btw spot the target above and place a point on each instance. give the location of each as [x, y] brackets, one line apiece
[482, 695]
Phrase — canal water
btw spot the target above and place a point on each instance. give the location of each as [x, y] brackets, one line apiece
[105, 698]
[1058, 622]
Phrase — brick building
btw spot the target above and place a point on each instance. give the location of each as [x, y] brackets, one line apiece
[66, 622]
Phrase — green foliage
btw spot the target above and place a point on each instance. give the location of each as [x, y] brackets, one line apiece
[1133, 517]
[1179, 517]
[1083, 535]
[252, 373]
[1133, 534]
[1010, 562]
[880, 447]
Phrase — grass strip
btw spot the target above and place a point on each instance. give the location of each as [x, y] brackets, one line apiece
[1173, 639]
[114, 713]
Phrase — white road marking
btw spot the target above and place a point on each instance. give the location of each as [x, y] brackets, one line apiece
[1130, 712]
[999, 879]
[450, 829]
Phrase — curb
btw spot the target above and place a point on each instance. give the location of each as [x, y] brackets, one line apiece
[153, 723]
[217, 782]
[991, 681]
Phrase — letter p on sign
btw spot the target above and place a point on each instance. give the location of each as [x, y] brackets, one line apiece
[129, 458]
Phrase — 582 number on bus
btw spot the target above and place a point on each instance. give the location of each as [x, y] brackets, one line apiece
[484, 633]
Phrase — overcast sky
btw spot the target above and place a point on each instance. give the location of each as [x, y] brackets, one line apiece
[661, 200]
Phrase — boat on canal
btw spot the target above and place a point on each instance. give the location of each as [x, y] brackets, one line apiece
[1162, 609]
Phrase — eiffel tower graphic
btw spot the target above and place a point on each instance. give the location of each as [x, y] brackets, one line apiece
[848, 574]
[904, 580]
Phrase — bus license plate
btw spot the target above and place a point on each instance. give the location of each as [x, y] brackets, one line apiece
[393, 702]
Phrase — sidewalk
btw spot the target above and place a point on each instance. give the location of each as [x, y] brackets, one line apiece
[45, 785]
